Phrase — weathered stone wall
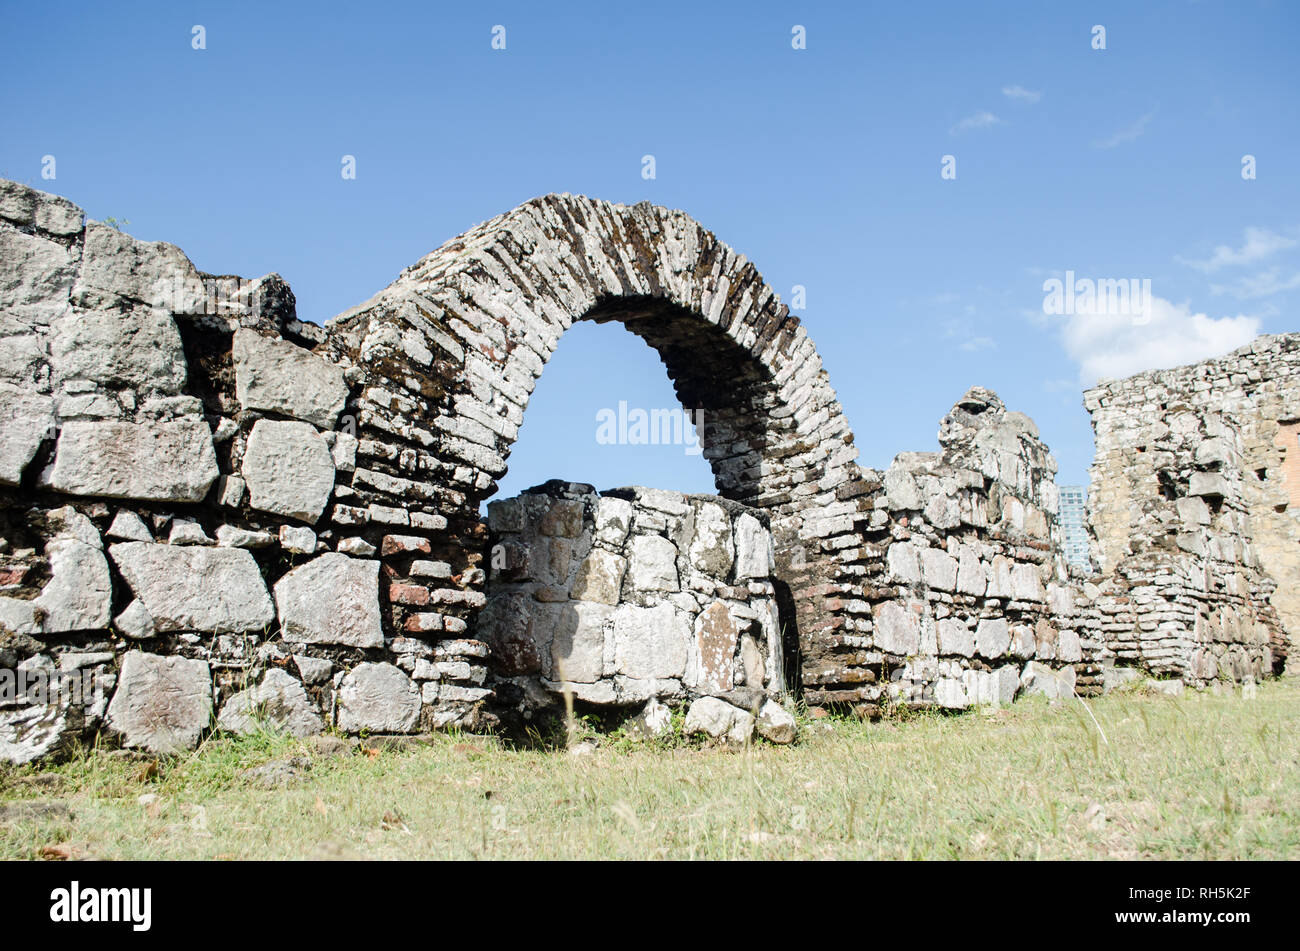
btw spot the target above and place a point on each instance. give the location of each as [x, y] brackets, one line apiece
[1197, 535]
[203, 490]
[209, 508]
[631, 594]
[178, 519]
[960, 592]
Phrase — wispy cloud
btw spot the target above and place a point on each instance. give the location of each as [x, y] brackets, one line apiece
[1021, 94]
[1127, 134]
[1106, 344]
[980, 120]
[1264, 284]
[963, 333]
[1257, 244]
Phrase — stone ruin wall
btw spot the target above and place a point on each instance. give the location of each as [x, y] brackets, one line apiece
[635, 595]
[189, 519]
[957, 592]
[631, 594]
[1194, 514]
[211, 509]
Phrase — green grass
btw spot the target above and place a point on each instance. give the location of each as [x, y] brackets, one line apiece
[1198, 776]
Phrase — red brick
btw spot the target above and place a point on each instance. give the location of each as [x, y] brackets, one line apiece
[13, 575]
[408, 594]
[402, 544]
[424, 622]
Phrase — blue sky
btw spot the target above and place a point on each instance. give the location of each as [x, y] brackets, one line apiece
[821, 164]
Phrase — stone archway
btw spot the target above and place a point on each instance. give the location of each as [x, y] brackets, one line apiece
[450, 352]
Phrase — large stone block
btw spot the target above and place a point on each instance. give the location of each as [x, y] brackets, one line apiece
[651, 643]
[600, 577]
[939, 569]
[613, 519]
[35, 279]
[955, 637]
[712, 550]
[720, 720]
[280, 377]
[192, 588]
[25, 422]
[332, 599]
[138, 349]
[28, 206]
[776, 724]
[999, 578]
[378, 698]
[1053, 684]
[970, 573]
[161, 462]
[31, 731]
[653, 564]
[79, 594]
[506, 515]
[162, 704]
[562, 518]
[506, 623]
[1208, 484]
[901, 489]
[1026, 584]
[279, 702]
[996, 687]
[902, 563]
[20, 616]
[717, 637]
[951, 693]
[289, 469]
[993, 637]
[754, 555]
[576, 639]
[898, 628]
[115, 266]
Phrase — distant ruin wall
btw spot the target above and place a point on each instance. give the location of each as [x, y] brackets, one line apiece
[1193, 510]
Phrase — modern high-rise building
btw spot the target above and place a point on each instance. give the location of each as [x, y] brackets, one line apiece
[1073, 518]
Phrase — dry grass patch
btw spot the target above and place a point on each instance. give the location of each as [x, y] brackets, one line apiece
[1198, 776]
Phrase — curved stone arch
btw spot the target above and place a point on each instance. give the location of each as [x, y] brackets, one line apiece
[451, 351]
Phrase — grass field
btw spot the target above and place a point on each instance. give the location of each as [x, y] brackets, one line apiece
[1197, 776]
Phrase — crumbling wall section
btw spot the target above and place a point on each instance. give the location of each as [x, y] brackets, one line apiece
[961, 595]
[1195, 530]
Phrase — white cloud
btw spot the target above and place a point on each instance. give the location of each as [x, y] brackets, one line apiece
[1127, 134]
[1165, 335]
[980, 120]
[1258, 244]
[962, 331]
[1022, 94]
[1263, 284]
